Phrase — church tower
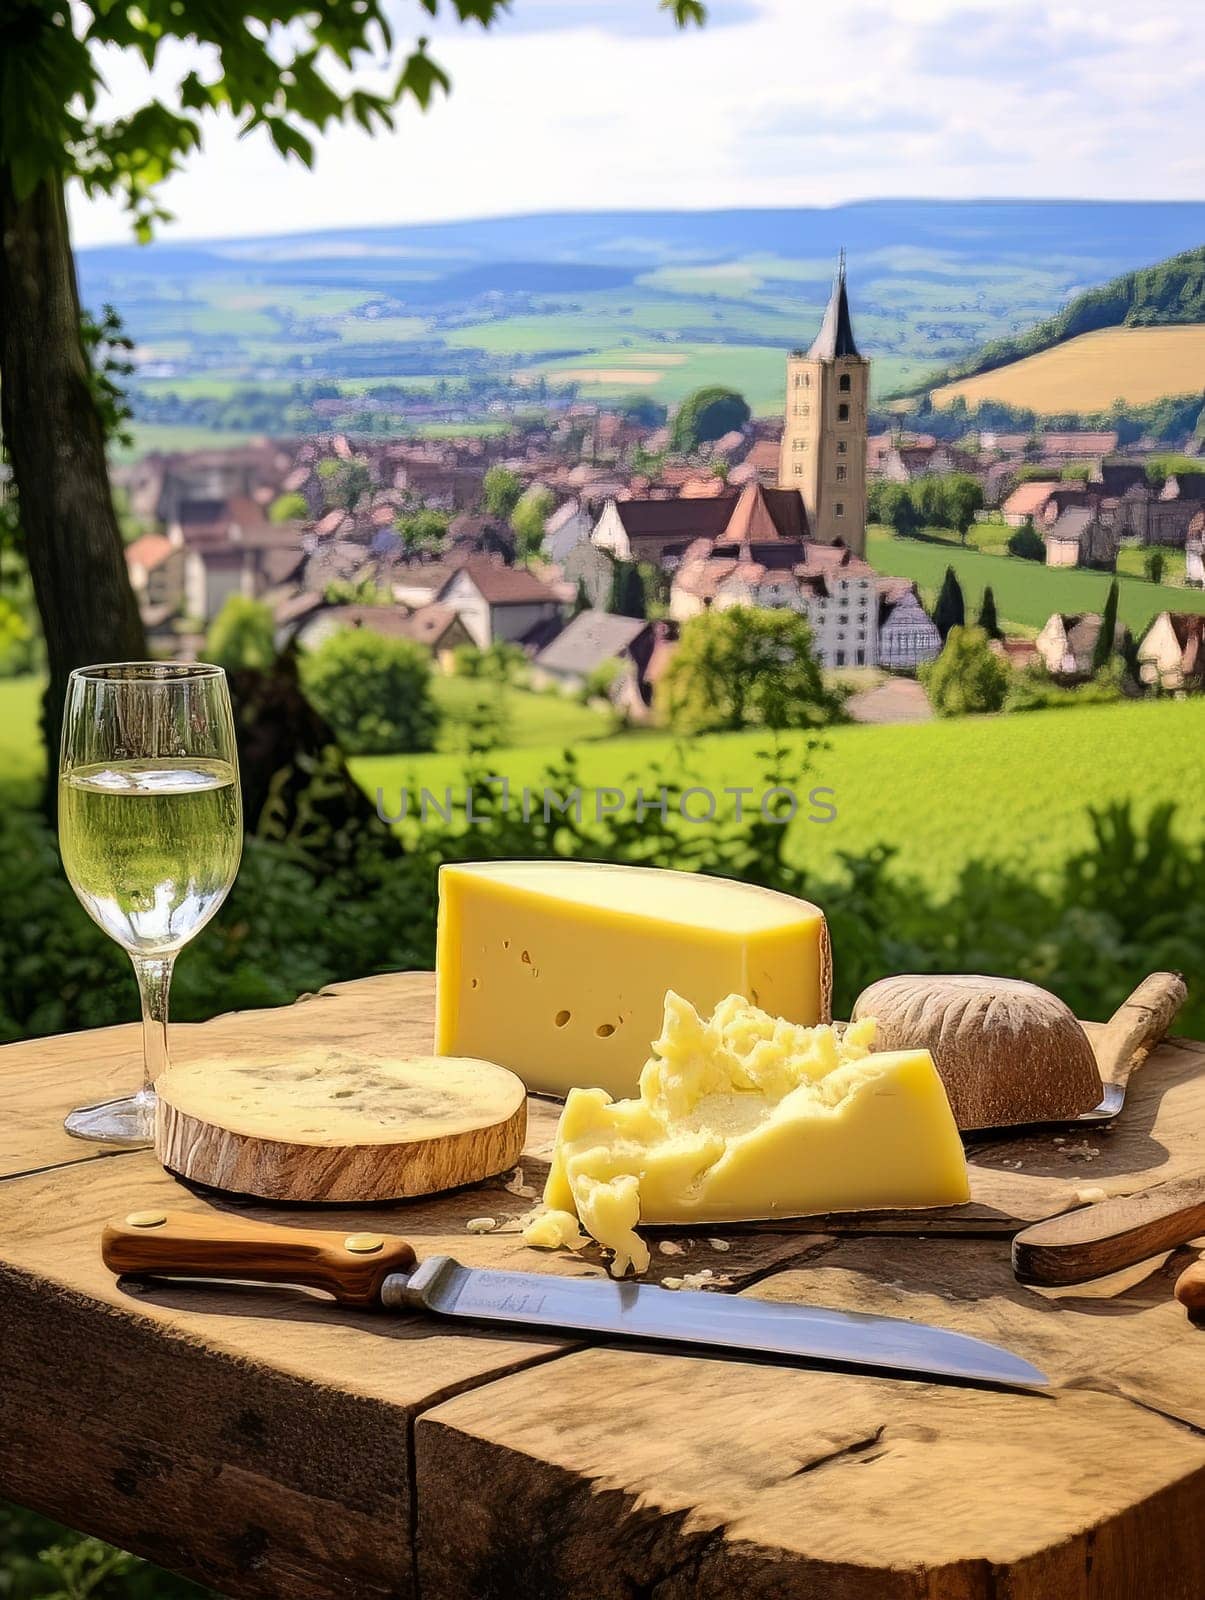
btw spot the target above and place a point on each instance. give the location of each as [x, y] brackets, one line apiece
[824, 437]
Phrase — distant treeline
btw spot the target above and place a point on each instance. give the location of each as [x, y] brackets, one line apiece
[1169, 292]
[1170, 421]
[385, 408]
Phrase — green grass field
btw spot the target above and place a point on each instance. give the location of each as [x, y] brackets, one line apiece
[529, 719]
[1026, 591]
[941, 793]
[21, 764]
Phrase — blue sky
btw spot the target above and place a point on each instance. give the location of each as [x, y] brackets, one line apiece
[584, 104]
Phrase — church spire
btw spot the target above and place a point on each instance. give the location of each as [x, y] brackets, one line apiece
[836, 336]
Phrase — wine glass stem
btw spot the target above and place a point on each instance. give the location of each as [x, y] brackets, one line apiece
[154, 974]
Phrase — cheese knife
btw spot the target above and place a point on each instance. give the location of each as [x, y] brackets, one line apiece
[369, 1269]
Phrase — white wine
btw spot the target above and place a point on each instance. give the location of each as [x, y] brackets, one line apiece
[152, 846]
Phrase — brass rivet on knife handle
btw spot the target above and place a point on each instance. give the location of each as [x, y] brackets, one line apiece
[210, 1244]
[1099, 1239]
[147, 1219]
[363, 1244]
[1137, 1026]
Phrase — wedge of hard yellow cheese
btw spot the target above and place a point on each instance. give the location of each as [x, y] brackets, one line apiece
[558, 970]
[747, 1116]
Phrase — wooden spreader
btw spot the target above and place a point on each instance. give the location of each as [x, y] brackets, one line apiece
[269, 1443]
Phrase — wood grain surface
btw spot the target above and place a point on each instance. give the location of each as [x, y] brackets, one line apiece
[452, 1123]
[1100, 1239]
[270, 1443]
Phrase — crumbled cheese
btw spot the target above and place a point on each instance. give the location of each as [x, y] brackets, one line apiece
[1088, 1152]
[744, 1114]
[667, 1247]
[671, 1283]
[1091, 1196]
[552, 1230]
[481, 1225]
[719, 1244]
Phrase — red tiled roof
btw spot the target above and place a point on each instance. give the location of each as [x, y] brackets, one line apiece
[503, 586]
[151, 550]
[1028, 498]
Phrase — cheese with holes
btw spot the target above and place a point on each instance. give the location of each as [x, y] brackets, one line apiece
[559, 969]
[747, 1116]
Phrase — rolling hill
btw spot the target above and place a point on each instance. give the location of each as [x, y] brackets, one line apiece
[1093, 371]
[1138, 338]
[245, 335]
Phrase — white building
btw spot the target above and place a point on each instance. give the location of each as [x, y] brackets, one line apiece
[908, 636]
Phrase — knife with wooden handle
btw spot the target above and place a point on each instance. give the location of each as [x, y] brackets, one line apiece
[367, 1269]
[1099, 1239]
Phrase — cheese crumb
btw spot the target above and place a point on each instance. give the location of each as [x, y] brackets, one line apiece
[609, 1212]
[671, 1283]
[552, 1230]
[719, 1244]
[481, 1225]
[1091, 1196]
[667, 1247]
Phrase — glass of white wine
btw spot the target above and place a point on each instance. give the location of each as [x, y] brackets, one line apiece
[150, 831]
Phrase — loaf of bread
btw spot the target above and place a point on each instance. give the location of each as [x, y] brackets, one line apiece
[1007, 1051]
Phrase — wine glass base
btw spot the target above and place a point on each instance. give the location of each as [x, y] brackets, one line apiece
[129, 1121]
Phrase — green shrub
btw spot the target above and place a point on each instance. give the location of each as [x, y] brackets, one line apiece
[243, 636]
[1035, 690]
[1027, 543]
[375, 692]
[968, 676]
[288, 508]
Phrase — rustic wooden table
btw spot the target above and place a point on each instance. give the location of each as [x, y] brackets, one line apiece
[267, 1443]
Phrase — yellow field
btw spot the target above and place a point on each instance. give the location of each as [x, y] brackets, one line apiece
[1087, 374]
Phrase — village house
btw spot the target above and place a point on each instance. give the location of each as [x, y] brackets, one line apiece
[1028, 502]
[496, 602]
[1194, 552]
[908, 636]
[658, 531]
[156, 568]
[566, 527]
[587, 642]
[1081, 537]
[834, 589]
[438, 628]
[1171, 655]
[1067, 644]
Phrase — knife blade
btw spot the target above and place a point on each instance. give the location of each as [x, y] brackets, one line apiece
[366, 1269]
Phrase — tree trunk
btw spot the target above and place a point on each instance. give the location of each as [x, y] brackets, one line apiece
[57, 450]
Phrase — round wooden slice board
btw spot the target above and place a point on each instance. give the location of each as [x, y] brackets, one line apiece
[339, 1125]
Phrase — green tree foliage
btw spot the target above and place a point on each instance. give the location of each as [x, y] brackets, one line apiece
[1103, 650]
[1027, 543]
[642, 411]
[289, 508]
[1077, 472]
[374, 692]
[742, 667]
[1154, 564]
[950, 610]
[628, 598]
[242, 636]
[423, 530]
[357, 592]
[967, 677]
[531, 512]
[961, 500]
[987, 615]
[348, 484]
[707, 414]
[500, 492]
[1159, 468]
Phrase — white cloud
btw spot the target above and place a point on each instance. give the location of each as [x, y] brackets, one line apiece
[788, 102]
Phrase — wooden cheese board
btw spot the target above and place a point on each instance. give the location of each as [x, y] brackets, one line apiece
[338, 1123]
